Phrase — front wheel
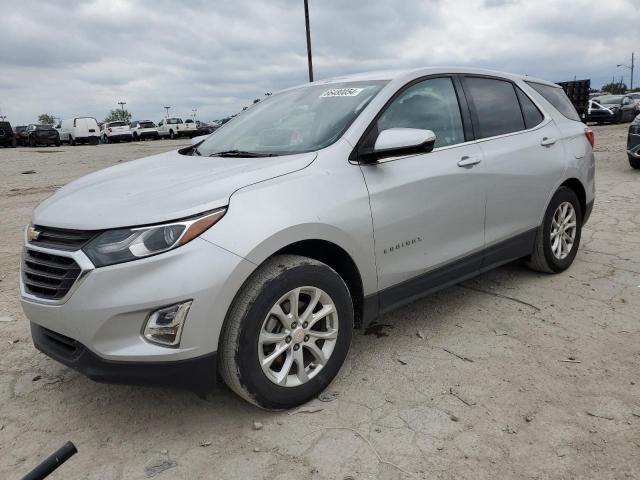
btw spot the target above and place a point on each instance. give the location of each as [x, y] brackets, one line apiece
[558, 238]
[172, 135]
[287, 333]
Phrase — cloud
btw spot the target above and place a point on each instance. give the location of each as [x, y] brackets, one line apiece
[71, 58]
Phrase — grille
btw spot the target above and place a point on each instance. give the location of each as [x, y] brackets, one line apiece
[48, 276]
[634, 129]
[62, 239]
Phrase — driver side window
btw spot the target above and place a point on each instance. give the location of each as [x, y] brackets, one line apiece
[431, 105]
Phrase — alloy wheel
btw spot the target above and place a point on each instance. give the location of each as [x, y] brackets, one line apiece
[563, 230]
[298, 336]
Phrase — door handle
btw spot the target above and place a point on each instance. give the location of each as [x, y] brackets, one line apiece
[547, 141]
[469, 161]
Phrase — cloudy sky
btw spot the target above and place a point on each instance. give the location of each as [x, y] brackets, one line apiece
[80, 58]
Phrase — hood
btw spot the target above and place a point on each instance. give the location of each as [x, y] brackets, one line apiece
[156, 189]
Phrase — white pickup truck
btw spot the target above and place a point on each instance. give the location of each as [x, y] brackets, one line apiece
[175, 127]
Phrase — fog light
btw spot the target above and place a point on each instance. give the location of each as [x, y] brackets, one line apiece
[165, 325]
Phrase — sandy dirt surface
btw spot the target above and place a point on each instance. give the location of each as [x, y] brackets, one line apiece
[405, 405]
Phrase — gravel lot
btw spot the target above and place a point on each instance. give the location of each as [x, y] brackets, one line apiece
[407, 405]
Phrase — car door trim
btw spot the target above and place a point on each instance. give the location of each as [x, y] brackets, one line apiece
[449, 274]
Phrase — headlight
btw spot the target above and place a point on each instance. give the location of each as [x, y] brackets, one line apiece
[126, 244]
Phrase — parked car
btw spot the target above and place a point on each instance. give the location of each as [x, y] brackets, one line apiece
[633, 143]
[79, 130]
[253, 254]
[19, 132]
[7, 137]
[41, 135]
[111, 132]
[204, 128]
[144, 130]
[175, 127]
[611, 108]
[635, 98]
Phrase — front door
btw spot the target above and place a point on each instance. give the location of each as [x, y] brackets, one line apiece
[428, 210]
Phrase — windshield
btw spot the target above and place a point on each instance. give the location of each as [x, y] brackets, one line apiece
[174, 121]
[147, 125]
[609, 99]
[116, 124]
[295, 121]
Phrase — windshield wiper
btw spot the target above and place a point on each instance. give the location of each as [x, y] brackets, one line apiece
[242, 153]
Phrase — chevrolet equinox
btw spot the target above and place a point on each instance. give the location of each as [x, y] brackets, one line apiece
[254, 253]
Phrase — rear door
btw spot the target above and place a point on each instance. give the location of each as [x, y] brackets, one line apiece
[523, 158]
[428, 209]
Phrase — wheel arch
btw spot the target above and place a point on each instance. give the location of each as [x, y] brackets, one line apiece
[337, 258]
[577, 187]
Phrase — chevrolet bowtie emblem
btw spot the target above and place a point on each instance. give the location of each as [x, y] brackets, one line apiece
[32, 234]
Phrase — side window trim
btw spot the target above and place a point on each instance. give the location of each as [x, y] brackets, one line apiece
[462, 103]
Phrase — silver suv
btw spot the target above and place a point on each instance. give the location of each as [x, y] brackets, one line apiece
[256, 252]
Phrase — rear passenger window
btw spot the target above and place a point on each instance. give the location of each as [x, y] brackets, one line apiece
[497, 106]
[431, 105]
[532, 116]
[556, 97]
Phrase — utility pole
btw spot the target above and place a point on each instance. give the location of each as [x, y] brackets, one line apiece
[630, 67]
[306, 22]
[167, 109]
[122, 104]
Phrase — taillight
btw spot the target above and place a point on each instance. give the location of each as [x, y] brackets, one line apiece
[590, 136]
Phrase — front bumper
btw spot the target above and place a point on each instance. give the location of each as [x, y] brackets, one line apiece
[197, 374]
[106, 309]
[601, 116]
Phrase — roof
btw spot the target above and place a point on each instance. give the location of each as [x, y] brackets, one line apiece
[409, 74]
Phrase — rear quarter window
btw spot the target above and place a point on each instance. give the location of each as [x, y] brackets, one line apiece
[556, 97]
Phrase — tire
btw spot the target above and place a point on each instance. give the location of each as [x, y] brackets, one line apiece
[248, 317]
[634, 162]
[543, 258]
[32, 142]
[172, 135]
[72, 142]
[14, 144]
[105, 139]
[135, 137]
[58, 143]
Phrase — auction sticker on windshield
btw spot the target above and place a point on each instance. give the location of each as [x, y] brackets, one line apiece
[342, 92]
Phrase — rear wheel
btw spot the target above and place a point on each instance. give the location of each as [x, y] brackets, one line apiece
[558, 238]
[287, 332]
[634, 162]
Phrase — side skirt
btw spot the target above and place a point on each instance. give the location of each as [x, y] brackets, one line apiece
[396, 296]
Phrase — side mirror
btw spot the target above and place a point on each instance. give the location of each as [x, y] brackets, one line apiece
[395, 142]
